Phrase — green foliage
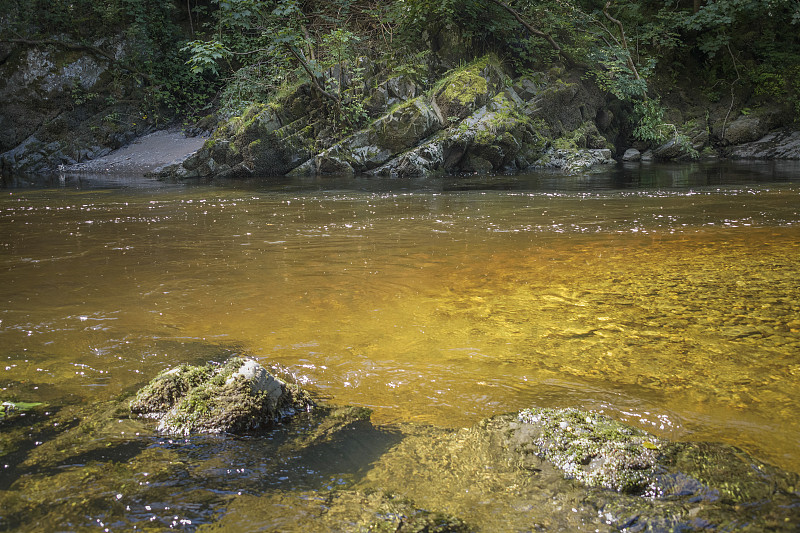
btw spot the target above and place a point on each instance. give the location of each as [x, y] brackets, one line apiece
[143, 35]
[650, 127]
[205, 55]
[613, 73]
[244, 51]
[9, 409]
[80, 95]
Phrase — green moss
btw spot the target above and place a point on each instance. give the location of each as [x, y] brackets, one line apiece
[594, 449]
[158, 396]
[204, 399]
[250, 115]
[8, 409]
[585, 136]
[404, 126]
[465, 85]
[475, 66]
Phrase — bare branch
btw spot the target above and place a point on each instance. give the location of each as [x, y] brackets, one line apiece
[310, 73]
[629, 59]
[527, 25]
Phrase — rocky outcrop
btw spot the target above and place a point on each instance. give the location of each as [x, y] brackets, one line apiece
[569, 470]
[497, 136]
[64, 105]
[239, 396]
[391, 134]
[475, 119]
[775, 145]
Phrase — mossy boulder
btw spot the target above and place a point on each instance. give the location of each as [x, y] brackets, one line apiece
[493, 138]
[574, 470]
[467, 89]
[398, 130]
[405, 125]
[238, 396]
[265, 140]
[601, 452]
[592, 448]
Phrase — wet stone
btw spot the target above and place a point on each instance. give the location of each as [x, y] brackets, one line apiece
[238, 396]
[591, 448]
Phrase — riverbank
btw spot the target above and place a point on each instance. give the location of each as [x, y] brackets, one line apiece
[147, 154]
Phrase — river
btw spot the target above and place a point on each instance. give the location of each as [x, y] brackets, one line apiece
[664, 296]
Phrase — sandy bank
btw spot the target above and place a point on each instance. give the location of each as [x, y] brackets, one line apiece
[144, 155]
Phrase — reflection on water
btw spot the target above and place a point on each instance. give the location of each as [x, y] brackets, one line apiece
[623, 176]
[673, 307]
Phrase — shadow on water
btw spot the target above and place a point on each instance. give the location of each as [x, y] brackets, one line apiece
[168, 481]
[33, 426]
[213, 469]
[620, 176]
[281, 460]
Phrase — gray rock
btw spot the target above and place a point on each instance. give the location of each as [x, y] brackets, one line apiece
[774, 145]
[574, 160]
[747, 129]
[239, 396]
[260, 380]
[402, 88]
[632, 155]
[670, 150]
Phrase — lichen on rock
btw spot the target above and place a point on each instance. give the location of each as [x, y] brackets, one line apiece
[238, 396]
[594, 449]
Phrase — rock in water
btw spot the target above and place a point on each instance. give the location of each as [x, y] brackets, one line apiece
[632, 155]
[236, 397]
[591, 448]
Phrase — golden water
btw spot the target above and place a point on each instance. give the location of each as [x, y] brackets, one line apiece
[677, 310]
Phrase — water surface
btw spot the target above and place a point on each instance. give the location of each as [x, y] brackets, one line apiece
[667, 297]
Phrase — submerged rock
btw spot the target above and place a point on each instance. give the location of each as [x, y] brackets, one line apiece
[593, 449]
[236, 397]
[572, 470]
[662, 485]
[341, 510]
[8, 409]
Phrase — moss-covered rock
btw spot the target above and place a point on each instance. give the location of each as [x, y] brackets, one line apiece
[266, 140]
[10, 409]
[593, 449]
[398, 130]
[573, 470]
[468, 88]
[239, 396]
[601, 452]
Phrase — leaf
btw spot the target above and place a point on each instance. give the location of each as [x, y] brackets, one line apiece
[6, 408]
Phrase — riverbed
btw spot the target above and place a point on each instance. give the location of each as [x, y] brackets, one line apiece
[667, 297]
